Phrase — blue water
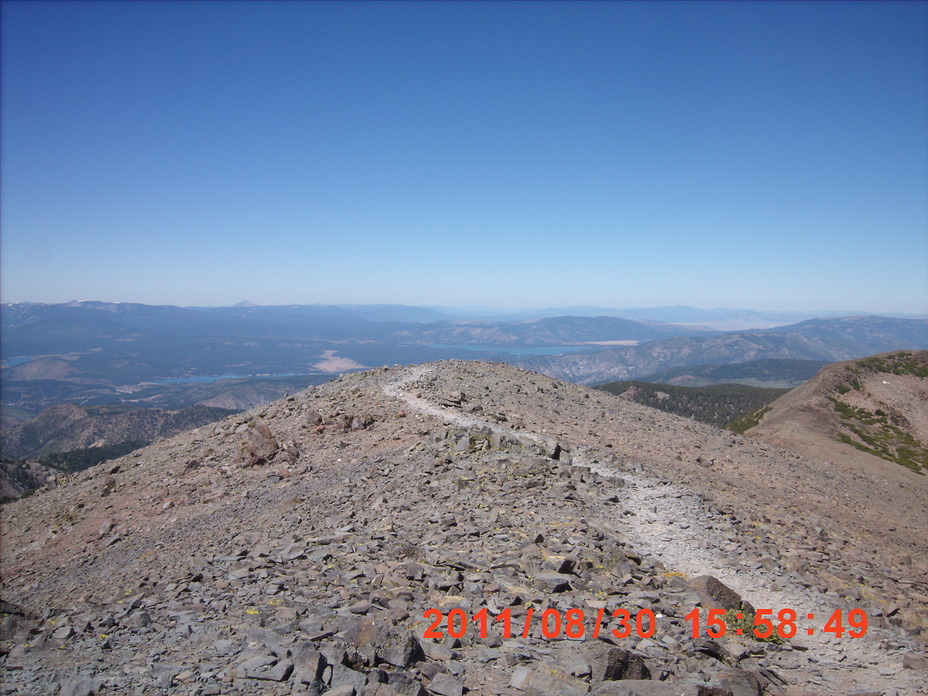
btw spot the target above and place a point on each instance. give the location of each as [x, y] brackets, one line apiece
[521, 350]
[216, 378]
[192, 380]
[18, 360]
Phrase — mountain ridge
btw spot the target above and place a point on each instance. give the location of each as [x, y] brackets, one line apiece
[871, 407]
[771, 373]
[824, 340]
[716, 404]
[68, 426]
[172, 357]
[348, 510]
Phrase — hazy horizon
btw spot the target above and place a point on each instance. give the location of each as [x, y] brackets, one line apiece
[513, 310]
[467, 154]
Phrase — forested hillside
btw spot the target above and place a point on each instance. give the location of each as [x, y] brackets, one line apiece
[717, 404]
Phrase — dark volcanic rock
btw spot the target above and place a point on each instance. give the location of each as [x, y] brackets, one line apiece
[718, 594]
[619, 663]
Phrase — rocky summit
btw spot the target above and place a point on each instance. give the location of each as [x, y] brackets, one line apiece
[466, 528]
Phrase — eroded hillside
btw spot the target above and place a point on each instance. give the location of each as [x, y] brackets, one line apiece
[69, 427]
[877, 406]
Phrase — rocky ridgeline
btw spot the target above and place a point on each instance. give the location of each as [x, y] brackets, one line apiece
[298, 548]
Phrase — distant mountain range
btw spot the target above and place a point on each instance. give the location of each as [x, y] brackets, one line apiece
[827, 340]
[92, 353]
[565, 331]
[721, 319]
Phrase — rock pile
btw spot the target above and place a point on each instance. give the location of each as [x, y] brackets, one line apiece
[446, 529]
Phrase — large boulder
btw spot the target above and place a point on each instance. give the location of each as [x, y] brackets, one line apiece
[258, 446]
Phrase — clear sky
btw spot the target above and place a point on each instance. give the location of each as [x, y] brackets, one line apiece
[763, 155]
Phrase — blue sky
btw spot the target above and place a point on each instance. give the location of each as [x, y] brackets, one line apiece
[763, 155]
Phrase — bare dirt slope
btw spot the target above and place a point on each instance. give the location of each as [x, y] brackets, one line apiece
[68, 427]
[859, 413]
[295, 549]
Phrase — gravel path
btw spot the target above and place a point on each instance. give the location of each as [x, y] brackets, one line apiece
[395, 389]
[675, 525]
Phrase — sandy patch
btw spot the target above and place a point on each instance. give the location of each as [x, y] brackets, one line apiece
[331, 362]
[43, 368]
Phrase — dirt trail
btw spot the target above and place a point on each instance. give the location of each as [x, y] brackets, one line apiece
[674, 524]
[394, 389]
